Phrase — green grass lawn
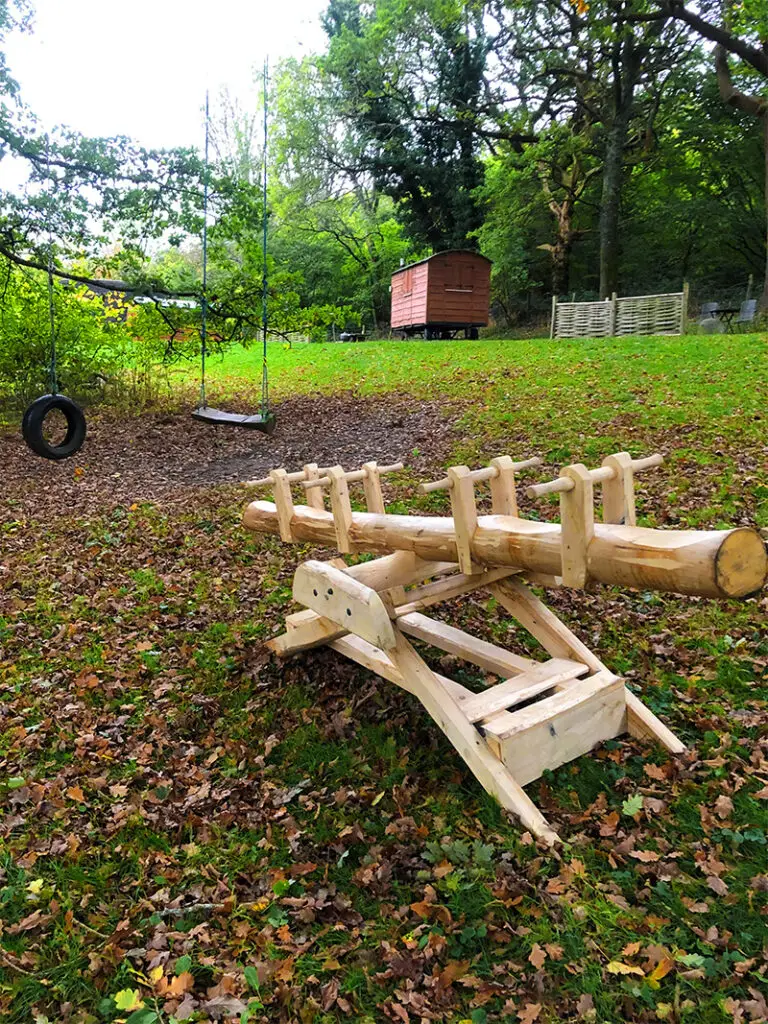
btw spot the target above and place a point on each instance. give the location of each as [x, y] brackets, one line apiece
[189, 830]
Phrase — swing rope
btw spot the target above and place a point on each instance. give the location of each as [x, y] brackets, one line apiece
[265, 420]
[264, 271]
[204, 298]
[53, 382]
[33, 423]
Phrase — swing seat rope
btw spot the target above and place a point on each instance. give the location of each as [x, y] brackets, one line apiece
[265, 421]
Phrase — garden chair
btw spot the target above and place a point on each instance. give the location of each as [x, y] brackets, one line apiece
[708, 319]
[747, 312]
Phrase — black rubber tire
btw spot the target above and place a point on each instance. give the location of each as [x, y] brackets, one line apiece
[34, 418]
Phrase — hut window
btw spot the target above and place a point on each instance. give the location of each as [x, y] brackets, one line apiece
[462, 279]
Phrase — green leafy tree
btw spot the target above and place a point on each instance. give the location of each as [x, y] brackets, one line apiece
[410, 80]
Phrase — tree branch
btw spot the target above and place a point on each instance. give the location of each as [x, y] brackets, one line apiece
[756, 58]
[733, 97]
[93, 282]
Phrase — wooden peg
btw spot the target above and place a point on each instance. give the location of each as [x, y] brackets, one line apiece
[619, 490]
[340, 507]
[503, 490]
[283, 503]
[314, 494]
[577, 520]
[374, 499]
[464, 509]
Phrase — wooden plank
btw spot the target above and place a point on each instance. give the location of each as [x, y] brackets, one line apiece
[335, 595]
[302, 637]
[503, 490]
[453, 586]
[526, 685]
[377, 661]
[619, 492]
[577, 519]
[455, 641]
[551, 632]
[314, 496]
[283, 503]
[559, 728]
[561, 642]
[374, 499]
[464, 512]
[369, 656]
[642, 722]
[401, 568]
[296, 619]
[341, 508]
[467, 741]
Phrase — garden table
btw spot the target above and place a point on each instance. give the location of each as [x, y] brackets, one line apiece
[726, 314]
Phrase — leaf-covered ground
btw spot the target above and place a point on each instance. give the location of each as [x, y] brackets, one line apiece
[190, 831]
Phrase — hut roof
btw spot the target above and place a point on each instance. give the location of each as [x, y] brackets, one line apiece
[444, 252]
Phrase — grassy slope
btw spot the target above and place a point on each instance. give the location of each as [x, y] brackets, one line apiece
[149, 754]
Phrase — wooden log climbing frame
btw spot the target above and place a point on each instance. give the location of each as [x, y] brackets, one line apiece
[533, 715]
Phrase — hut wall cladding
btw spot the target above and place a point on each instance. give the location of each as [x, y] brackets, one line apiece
[447, 288]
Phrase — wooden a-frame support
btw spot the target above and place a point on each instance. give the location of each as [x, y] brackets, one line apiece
[541, 715]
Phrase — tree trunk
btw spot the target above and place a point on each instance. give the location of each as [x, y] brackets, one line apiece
[610, 206]
[561, 262]
[757, 106]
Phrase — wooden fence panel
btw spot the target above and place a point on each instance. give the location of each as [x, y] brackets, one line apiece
[649, 314]
[582, 319]
[635, 314]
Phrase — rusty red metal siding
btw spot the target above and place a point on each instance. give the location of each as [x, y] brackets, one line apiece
[409, 295]
[450, 287]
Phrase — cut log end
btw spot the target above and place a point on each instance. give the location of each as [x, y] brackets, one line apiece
[741, 564]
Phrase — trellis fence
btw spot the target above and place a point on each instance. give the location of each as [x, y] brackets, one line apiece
[633, 314]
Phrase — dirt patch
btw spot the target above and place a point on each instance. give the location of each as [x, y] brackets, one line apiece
[160, 457]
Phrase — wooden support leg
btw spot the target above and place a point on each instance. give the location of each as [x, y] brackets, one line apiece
[470, 745]
[560, 642]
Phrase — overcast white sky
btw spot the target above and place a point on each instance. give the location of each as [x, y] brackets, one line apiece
[141, 69]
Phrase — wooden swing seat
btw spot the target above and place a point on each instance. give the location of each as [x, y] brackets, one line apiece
[219, 418]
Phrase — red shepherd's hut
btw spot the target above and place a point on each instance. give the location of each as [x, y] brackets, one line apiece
[441, 295]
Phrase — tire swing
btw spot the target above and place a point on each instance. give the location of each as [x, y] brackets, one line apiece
[33, 421]
[32, 427]
[264, 421]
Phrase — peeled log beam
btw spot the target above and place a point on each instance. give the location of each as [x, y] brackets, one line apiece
[712, 563]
